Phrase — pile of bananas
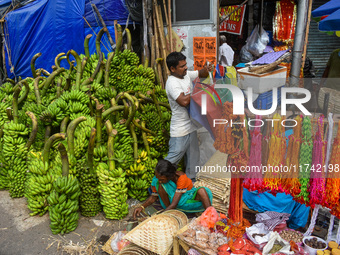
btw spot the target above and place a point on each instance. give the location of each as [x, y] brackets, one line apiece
[90, 197]
[150, 165]
[138, 188]
[100, 154]
[136, 170]
[39, 185]
[14, 158]
[113, 190]
[123, 146]
[64, 205]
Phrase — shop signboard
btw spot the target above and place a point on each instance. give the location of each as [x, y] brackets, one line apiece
[234, 24]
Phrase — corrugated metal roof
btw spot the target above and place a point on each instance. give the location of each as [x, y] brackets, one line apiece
[320, 45]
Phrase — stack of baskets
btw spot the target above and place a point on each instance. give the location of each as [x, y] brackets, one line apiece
[220, 188]
[155, 235]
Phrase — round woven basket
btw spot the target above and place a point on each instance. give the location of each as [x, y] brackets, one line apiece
[155, 234]
[334, 102]
[181, 217]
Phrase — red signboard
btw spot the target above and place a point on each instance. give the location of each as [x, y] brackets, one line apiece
[234, 24]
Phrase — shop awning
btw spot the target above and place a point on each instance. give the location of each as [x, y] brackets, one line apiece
[327, 8]
[328, 16]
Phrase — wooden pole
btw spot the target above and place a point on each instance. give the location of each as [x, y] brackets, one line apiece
[170, 28]
[157, 49]
[103, 23]
[307, 33]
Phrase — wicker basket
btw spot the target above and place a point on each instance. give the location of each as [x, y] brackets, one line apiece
[155, 234]
[334, 102]
[179, 216]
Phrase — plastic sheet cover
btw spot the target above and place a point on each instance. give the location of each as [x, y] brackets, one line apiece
[46, 26]
[109, 10]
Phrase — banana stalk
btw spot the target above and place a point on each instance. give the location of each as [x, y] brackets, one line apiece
[107, 69]
[135, 142]
[48, 132]
[128, 39]
[34, 130]
[46, 151]
[98, 39]
[59, 87]
[34, 72]
[10, 81]
[27, 90]
[70, 134]
[90, 151]
[36, 89]
[86, 45]
[83, 64]
[64, 159]
[100, 73]
[78, 61]
[49, 80]
[15, 105]
[149, 100]
[98, 67]
[63, 124]
[132, 108]
[135, 122]
[119, 39]
[57, 59]
[112, 109]
[110, 148]
[145, 140]
[99, 117]
[9, 113]
[153, 96]
[67, 84]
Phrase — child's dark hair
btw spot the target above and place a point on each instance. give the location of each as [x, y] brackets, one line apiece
[173, 59]
[165, 168]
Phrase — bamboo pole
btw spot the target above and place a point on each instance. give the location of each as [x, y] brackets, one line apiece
[157, 48]
[307, 33]
[161, 37]
[152, 57]
[166, 22]
[116, 32]
[170, 27]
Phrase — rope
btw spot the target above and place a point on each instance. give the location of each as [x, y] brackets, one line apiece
[330, 228]
[95, 33]
[313, 221]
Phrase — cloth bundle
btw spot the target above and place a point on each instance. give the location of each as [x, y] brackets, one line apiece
[271, 219]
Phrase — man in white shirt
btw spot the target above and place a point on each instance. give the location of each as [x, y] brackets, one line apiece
[226, 53]
[183, 132]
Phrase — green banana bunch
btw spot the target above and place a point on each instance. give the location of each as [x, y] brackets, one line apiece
[39, 185]
[90, 197]
[136, 169]
[150, 165]
[113, 190]
[13, 172]
[100, 154]
[64, 205]
[138, 188]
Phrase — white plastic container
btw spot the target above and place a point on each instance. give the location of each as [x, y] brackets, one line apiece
[262, 82]
[310, 250]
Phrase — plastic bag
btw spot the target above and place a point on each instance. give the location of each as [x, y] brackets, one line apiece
[245, 55]
[256, 42]
[117, 243]
[274, 239]
[209, 217]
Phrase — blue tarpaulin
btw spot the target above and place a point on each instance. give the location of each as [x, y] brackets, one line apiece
[55, 26]
[46, 26]
[109, 10]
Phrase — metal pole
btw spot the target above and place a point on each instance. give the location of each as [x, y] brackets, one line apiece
[300, 31]
[250, 17]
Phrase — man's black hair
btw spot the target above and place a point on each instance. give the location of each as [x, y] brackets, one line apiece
[173, 59]
[165, 168]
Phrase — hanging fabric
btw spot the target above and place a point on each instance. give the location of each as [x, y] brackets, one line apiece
[284, 21]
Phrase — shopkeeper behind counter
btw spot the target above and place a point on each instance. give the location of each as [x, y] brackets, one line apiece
[175, 191]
